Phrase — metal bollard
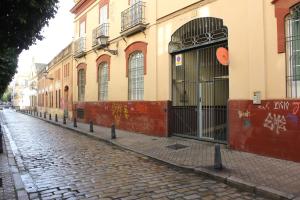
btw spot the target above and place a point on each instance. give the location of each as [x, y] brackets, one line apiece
[218, 158]
[113, 131]
[56, 120]
[40, 114]
[64, 120]
[1, 136]
[50, 118]
[75, 122]
[91, 127]
[45, 115]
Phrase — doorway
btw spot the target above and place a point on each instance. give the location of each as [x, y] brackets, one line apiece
[66, 101]
[200, 83]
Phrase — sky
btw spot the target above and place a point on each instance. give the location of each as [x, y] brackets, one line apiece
[57, 36]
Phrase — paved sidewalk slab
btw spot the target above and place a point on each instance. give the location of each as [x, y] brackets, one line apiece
[273, 177]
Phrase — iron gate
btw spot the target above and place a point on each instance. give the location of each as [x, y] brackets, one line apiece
[200, 84]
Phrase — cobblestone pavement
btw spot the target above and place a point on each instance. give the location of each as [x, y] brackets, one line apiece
[271, 174]
[55, 163]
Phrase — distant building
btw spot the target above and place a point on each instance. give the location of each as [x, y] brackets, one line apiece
[55, 85]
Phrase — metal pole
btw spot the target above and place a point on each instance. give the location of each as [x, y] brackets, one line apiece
[75, 122]
[113, 131]
[218, 158]
[64, 120]
[45, 115]
[50, 118]
[56, 120]
[91, 127]
[1, 135]
[40, 114]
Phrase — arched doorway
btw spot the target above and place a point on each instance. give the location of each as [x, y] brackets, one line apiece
[66, 101]
[200, 83]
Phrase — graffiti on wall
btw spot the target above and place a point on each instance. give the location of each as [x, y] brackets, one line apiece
[279, 113]
[276, 123]
[245, 116]
[119, 112]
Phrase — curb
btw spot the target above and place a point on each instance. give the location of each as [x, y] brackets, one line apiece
[222, 177]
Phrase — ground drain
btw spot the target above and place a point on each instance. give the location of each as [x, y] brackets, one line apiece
[177, 146]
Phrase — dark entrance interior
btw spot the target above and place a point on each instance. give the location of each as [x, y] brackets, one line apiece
[200, 84]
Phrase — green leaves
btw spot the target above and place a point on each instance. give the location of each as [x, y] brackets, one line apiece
[21, 23]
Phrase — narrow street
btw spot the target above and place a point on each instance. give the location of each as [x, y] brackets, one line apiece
[58, 164]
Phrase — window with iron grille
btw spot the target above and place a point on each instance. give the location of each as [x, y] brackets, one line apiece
[293, 52]
[136, 76]
[81, 84]
[103, 81]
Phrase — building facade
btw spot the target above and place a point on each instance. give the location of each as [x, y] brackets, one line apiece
[55, 84]
[217, 70]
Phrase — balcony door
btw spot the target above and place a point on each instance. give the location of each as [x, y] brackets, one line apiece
[103, 15]
[135, 12]
[82, 29]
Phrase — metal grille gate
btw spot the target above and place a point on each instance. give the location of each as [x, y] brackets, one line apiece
[200, 88]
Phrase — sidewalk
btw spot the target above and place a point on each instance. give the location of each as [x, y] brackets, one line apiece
[275, 178]
[10, 186]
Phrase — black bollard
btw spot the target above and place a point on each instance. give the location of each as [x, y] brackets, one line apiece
[64, 120]
[45, 115]
[40, 114]
[50, 118]
[75, 122]
[113, 131]
[1, 135]
[56, 120]
[218, 158]
[91, 126]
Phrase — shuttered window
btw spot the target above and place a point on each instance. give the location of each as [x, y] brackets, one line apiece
[103, 81]
[136, 76]
[81, 84]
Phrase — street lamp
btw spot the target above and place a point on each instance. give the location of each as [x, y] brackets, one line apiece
[103, 43]
[45, 74]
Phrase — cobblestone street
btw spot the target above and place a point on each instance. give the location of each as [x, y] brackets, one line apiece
[58, 164]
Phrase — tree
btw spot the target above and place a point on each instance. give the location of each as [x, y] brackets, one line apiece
[21, 23]
[6, 97]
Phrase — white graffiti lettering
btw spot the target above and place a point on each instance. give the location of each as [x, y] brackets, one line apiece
[243, 114]
[281, 105]
[275, 123]
[296, 107]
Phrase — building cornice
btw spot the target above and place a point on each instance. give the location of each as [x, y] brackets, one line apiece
[81, 6]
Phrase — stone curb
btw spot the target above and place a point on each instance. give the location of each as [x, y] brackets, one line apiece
[18, 182]
[222, 177]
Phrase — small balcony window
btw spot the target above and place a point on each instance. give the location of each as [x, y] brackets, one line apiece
[79, 47]
[101, 30]
[133, 19]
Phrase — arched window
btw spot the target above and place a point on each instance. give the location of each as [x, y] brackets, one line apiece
[293, 52]
[81, 84]
[103, 81]
[136, 76]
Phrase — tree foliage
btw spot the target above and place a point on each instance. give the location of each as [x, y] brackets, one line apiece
[21, 24]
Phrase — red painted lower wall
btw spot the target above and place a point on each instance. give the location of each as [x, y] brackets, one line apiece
[271, 129]
[145, 117]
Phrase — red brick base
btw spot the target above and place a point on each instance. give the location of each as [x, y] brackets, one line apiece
[145, 117]
[271, 129]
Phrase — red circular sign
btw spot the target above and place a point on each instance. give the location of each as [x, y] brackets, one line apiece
[222, 56]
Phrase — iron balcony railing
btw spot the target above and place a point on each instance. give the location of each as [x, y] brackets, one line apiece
[79, 47]
[101, 30]
[133, 16]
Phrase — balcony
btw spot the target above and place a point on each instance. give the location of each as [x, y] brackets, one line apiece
[101, 30]
[133, 19]
[79, 47]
